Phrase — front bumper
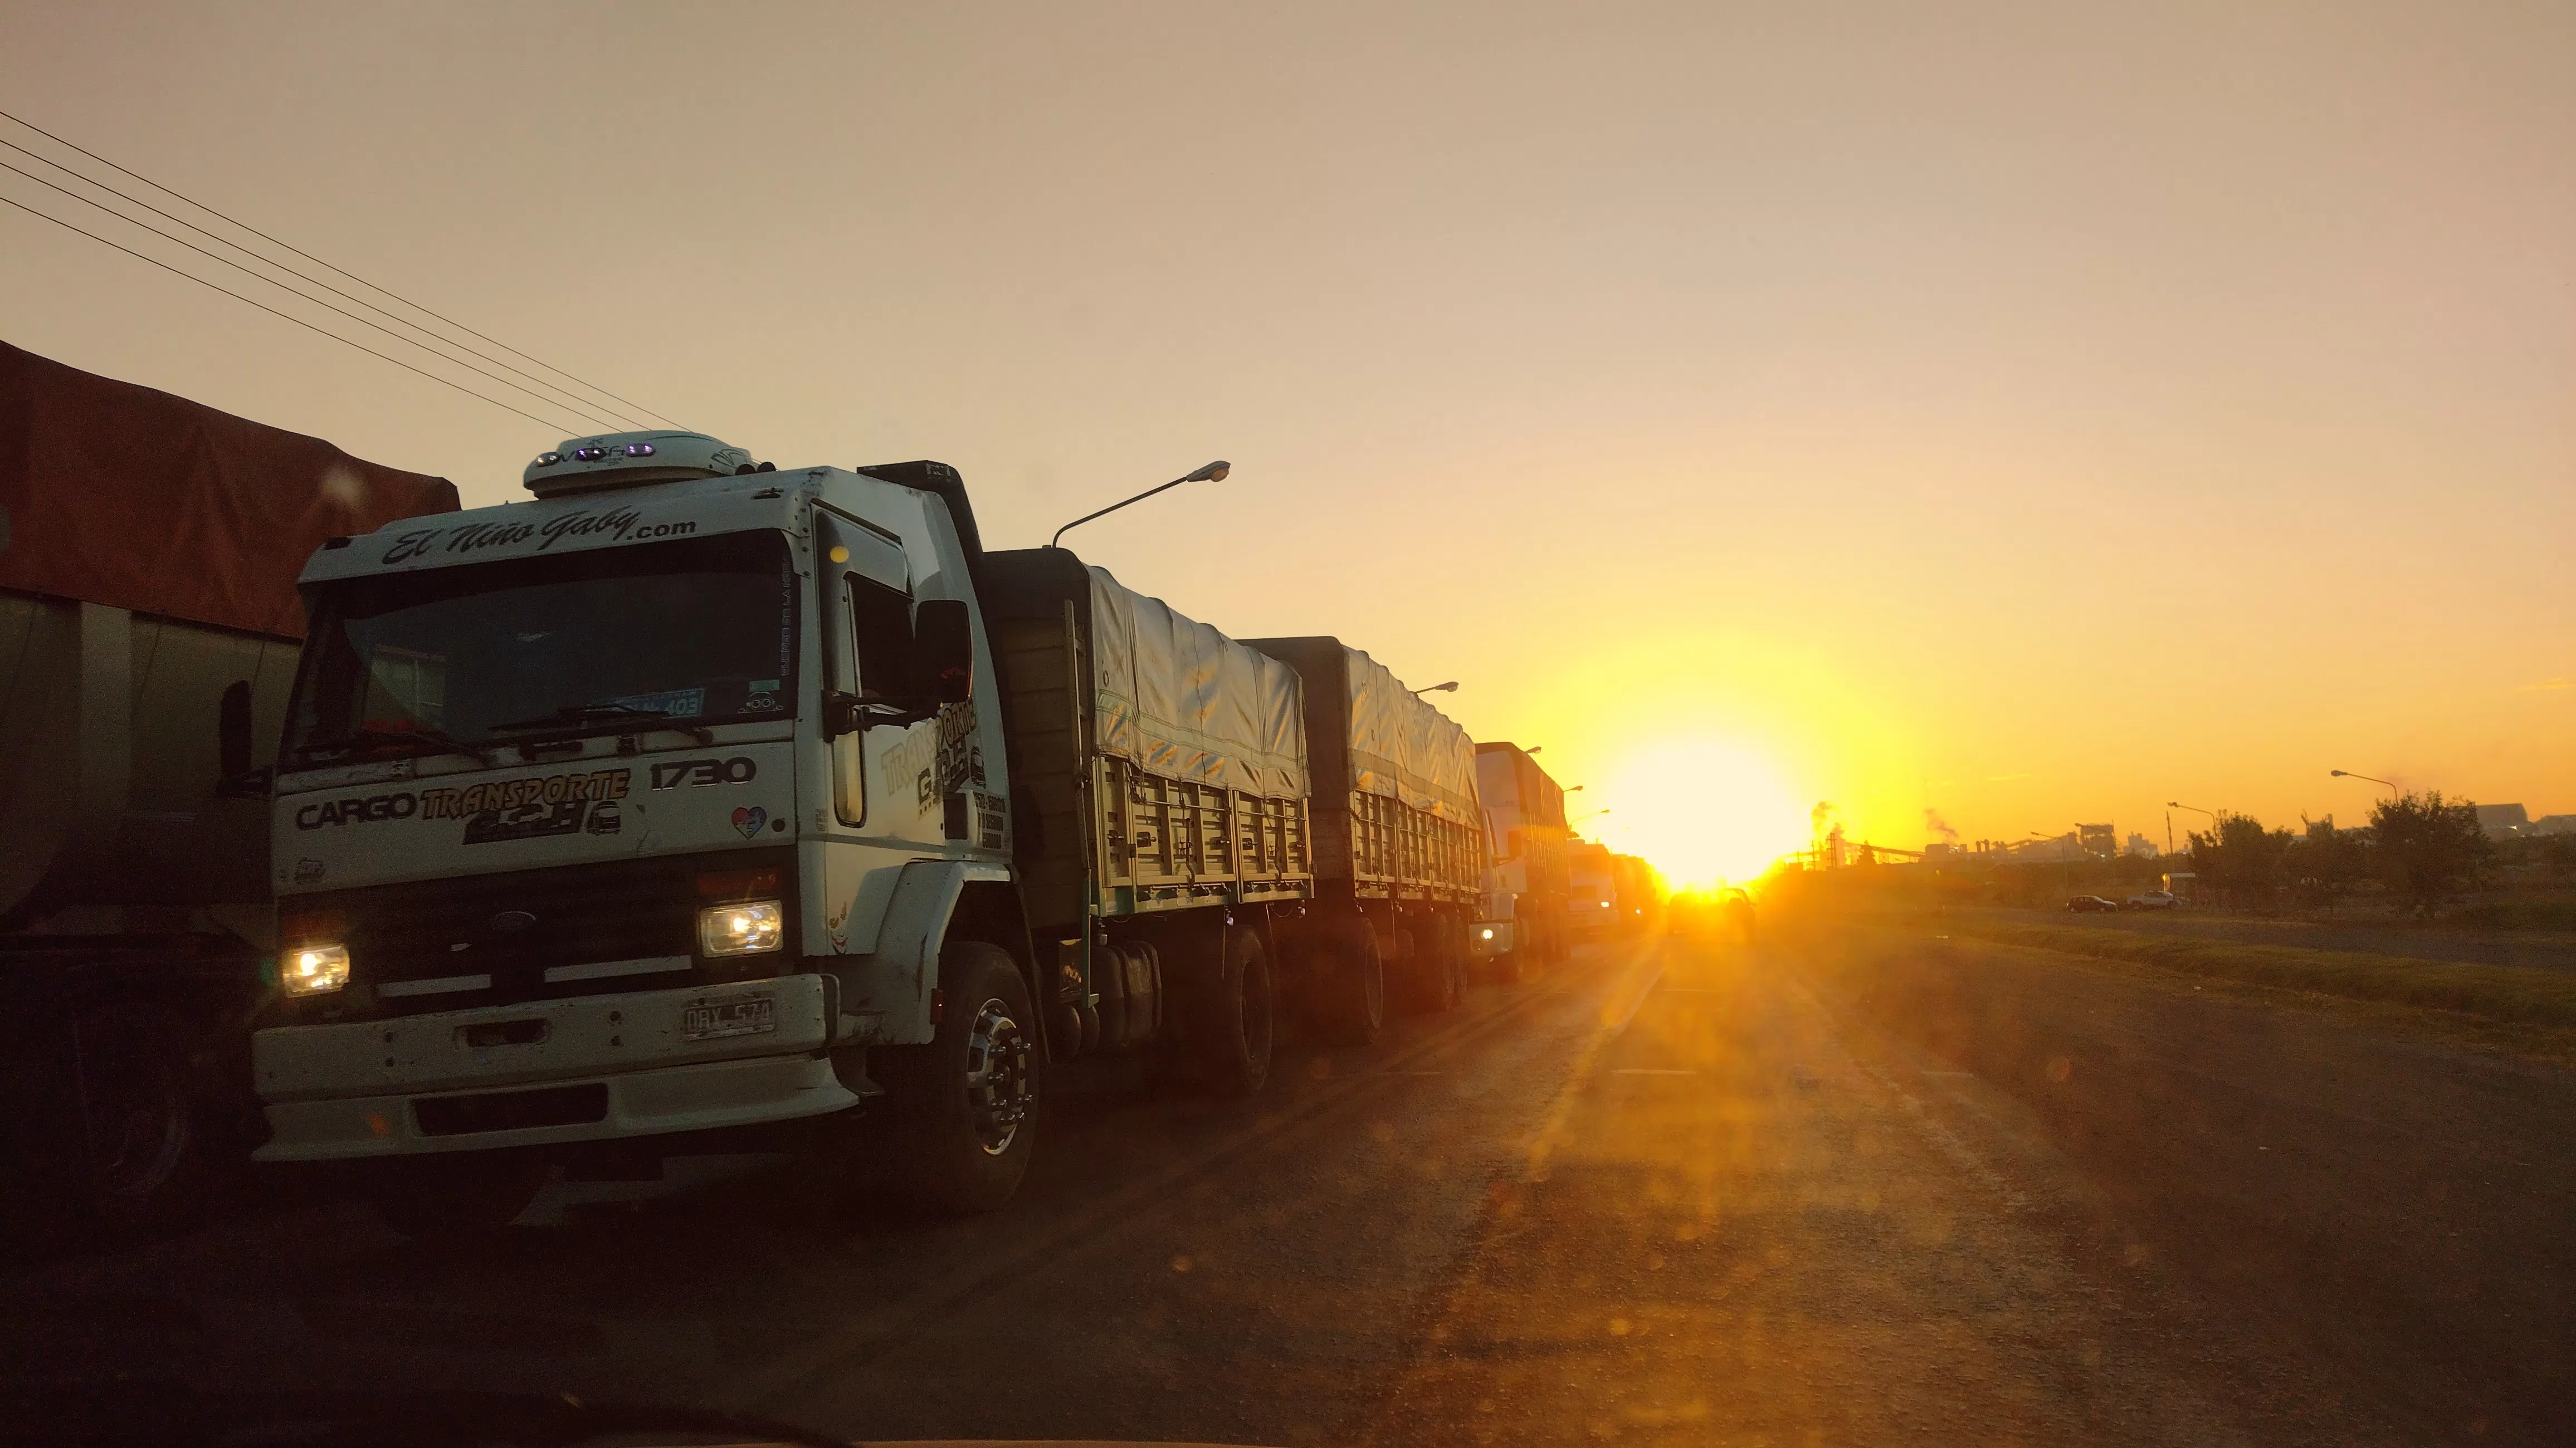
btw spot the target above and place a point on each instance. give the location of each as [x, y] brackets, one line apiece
[588, 1068]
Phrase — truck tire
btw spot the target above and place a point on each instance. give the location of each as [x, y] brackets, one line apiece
[966, 1104]
[1349, 983]
[1232, 1035]
[150, 1087]
[1430, 968]
[455, 1197]
[1445, 955]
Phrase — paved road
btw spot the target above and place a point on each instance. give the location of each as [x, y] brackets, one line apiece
[1833, 1193]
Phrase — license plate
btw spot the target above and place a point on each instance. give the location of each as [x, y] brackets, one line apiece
[713, 1020]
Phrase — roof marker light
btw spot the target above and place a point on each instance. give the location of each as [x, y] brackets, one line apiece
[590, 454]
[639, 449]
[549, 459]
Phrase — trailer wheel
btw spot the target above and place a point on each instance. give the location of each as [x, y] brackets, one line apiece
[967, 1102]
[455, 1197]
[1233, 1033]
[1349, 982]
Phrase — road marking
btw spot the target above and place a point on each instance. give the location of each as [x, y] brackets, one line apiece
[1648, 1071]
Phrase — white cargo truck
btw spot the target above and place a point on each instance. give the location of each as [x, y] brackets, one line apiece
[696, 797]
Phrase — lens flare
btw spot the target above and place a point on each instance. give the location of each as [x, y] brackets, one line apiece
[1705, 810]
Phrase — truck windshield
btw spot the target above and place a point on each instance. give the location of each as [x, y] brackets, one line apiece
[690, 632]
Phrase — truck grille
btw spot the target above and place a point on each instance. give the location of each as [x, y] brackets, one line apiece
[512, 927]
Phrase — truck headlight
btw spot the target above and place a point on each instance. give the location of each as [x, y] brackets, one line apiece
[313, 969]
[1489, 932]
[748, 927]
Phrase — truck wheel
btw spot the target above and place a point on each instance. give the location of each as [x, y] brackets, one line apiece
[1448, 962]
[1233, 1033]
[1349, 983]
[150, 1085]
[967, 1102]
[445, 1198]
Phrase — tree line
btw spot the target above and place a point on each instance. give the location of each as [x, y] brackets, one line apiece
[2424, 849]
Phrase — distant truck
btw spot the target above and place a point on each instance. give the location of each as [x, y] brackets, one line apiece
[1521, 919]
[699, 801]
[1398, 829]
[148, 620]
[1638, 891]
[1592, 890]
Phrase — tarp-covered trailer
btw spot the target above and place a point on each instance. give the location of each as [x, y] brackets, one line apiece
[1399, 833]
[149, 622]
[1159, 822]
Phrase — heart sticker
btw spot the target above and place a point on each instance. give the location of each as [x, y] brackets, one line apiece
[749, 819]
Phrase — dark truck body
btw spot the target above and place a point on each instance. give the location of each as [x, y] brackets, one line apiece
[1399, 834]
[148, 628]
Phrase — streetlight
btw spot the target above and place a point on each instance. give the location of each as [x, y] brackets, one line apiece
[2173, 804]
[1578, 819]
[1448, 688]
[2348, 774]
[1213, 473]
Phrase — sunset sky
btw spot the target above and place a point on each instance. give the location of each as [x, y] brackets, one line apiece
[2029, 413]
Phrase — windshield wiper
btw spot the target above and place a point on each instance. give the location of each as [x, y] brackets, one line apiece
[434, 740]
[585, 714]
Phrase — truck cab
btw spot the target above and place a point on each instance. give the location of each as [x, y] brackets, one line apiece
[651, 806]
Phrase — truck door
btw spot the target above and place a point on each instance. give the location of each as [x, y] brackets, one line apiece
[867, 650]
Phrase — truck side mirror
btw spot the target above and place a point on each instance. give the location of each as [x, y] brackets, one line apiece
[943, 650]
[234, 777]
[232, 731]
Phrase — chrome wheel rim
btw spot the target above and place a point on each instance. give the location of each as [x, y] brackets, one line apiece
[1000, 1086]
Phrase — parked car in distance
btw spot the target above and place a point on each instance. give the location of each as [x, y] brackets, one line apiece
[2088, 904]
[2152, 900]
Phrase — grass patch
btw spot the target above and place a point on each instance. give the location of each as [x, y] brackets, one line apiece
[2552, 912]
[2517, 995]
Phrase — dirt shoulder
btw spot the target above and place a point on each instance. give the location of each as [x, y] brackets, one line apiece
[2362, 1201]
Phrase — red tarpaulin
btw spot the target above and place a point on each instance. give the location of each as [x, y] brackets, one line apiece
[119, 494]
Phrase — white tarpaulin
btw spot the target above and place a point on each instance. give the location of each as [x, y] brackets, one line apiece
[1185, 702]
[1404, 748]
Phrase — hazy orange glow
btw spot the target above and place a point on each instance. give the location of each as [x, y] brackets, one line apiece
[2029, 415]
[1704, 810]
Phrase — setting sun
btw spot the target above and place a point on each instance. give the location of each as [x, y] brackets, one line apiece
[1705, 810]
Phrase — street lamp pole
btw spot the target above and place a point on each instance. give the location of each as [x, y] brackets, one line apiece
[1448, 688]
[2348, 774]
[1213, 473]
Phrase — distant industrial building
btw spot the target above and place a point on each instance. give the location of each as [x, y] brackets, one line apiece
[2099, 841]
[2503, 821]
[2512, 822]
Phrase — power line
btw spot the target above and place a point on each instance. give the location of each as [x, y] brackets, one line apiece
[583, 405]
[299, 321]
[305, 296]
[342, 271]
